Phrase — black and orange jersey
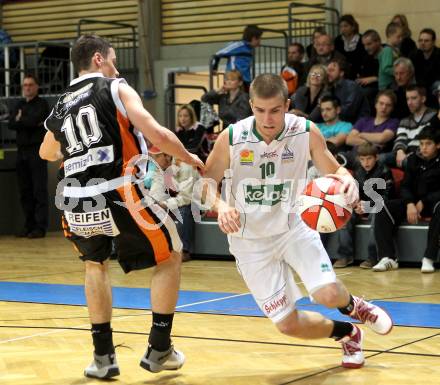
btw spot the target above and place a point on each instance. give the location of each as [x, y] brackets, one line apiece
[97, 138]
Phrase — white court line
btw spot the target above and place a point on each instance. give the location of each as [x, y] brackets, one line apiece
[130, 316]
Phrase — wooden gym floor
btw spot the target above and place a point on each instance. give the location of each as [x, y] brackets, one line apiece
[51, 344]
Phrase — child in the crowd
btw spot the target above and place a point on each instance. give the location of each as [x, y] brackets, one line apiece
[420, 198]
[375, 184]
[388, 54]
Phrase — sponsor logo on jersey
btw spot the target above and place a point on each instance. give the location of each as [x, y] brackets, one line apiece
[325, 268]
[269, 155]
[276, 304]
[93, 157]
[287, 155]
[244, 135]
[247, 157]
[267, 194]
[70, 99]
[92, 223]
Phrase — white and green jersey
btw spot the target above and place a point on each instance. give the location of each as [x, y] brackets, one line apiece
[264, 179]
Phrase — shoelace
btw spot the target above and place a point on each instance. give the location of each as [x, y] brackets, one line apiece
[350, 347]
[363, 311]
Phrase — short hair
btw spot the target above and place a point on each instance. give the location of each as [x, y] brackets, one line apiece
[300, 47]
[332, 99]
[366, 149]
[267, 86]
[349, 19]
[429, 133]
[392, 28]
[190, 110]
[33, 77]
[85, 47]
[404, 61]
[252, 31]
[419, 89]
[342, 63]
[389, 94]
[320, 30]
[372, 34]
[429, 31]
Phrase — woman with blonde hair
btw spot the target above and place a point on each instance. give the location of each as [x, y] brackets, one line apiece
[408, 46]
[305, 101]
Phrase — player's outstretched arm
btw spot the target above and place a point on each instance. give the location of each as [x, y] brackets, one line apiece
[327, 165]
[160, 136]
[216, 165]
[50, 149]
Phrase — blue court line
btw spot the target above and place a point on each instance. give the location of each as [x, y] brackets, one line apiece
[403, 313]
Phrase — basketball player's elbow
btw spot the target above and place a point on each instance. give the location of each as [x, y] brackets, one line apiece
[46, 153]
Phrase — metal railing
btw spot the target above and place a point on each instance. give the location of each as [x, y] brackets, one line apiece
[304, 18]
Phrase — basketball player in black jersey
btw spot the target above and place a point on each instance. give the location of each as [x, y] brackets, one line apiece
[98, 128]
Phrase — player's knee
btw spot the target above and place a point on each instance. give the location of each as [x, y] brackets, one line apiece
[329, 296]
[96, 267]
[289, 325]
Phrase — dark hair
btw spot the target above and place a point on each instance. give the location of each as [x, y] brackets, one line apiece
[84, 48]
[320, 29]
[429, 31]
[415, 87]
[366, 149]
[267, 86]
[392, 29]
[300, 47]
[349, 19]
[373, 34]
[429, 133]
[389, 93]
[332, 99]
[341, 62]
[32, 76]
[252, 31]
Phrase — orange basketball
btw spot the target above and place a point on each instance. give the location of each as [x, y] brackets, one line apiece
[322, 207]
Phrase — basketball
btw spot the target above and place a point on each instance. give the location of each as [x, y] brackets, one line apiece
[322, 207]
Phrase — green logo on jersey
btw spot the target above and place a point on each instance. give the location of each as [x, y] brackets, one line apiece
[267, 194]
[325, 268]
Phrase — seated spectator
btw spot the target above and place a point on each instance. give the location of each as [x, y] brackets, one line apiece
[311, 49]
[293, 72]
[388, 55]
[426, 62]
[407, 46]
[379, 130]
[240, 53]
[406, 141]
[190, 132]
[325, 51]
[233, 102]
[354, 104]
[349, 44]
[334, 130]
[435, 120]
[305, 101]
[420, 197]
[172, 187]
[366, 169]
[403, 78]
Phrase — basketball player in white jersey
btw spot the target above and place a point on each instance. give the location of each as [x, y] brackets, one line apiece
[265, 157]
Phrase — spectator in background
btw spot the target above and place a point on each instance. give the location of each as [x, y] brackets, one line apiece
[325, 51]
[349, 44]
[172, 186]
[407, 46]
[240, 53]
[388, 55]
[305, 101]
[233, 102]
[406, 141]
[379, 130]
[435, 120]
[403, 78]
[426, 62]
[420, 197]
[367, 169]
[27, 118]
[293, 72]
[354, 104]
[333, 129]
[190, 132]
[311, 48]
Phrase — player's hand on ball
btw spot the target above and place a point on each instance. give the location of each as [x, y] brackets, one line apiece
[349, 187]
[228, 219]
